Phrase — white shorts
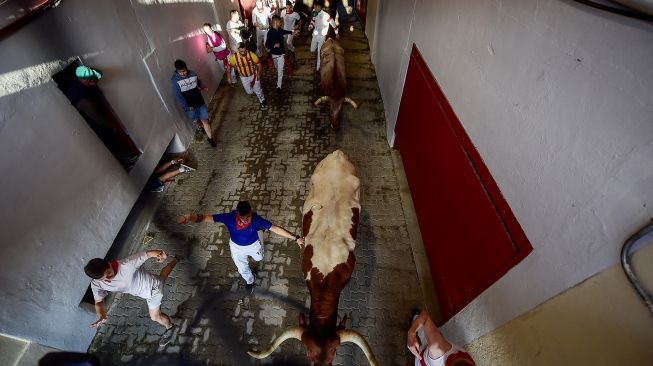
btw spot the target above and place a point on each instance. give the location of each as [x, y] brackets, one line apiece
[154, 302]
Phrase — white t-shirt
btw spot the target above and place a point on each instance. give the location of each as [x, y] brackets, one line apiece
[234, 33]
[260, 18]
[440, 361]
[289, 19]
[130, 279]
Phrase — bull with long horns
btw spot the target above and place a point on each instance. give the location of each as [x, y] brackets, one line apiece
[331, 214]
[333, 80]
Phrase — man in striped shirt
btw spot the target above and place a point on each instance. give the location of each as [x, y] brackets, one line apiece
[249, 68]
[320, 27]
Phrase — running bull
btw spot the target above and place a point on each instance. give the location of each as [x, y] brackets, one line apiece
[333, 79]
[331, 214]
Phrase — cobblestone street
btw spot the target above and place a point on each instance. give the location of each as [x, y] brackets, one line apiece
[267, 157]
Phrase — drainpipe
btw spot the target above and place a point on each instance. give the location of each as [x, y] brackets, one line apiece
[633, 244]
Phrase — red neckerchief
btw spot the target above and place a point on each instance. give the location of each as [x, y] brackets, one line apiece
[238, 224]
[421, 361]
[289, 12]
[114, 267]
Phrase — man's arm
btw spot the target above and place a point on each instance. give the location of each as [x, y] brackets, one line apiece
[437, 344]
[101, 313]
[176, 90]
[185, 219]
[286, 234]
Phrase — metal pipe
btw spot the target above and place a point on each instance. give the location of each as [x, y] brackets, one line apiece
[642, 238]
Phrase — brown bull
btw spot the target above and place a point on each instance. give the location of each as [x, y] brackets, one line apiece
[331, 213]
[333, 79]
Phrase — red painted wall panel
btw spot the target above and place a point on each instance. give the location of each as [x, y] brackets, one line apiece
[470, 235]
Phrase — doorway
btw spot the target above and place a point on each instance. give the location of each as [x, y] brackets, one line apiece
[470, 234]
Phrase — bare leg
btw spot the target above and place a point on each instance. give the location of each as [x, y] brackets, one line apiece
[207, 128]
[165, 271]
[167, 176]
[163, 167]
[161, 318]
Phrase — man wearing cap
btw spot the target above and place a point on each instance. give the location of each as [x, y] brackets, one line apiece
[87, 98]
[187, 88]
[243, 225]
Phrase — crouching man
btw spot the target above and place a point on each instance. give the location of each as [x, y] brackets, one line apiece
[127, 276]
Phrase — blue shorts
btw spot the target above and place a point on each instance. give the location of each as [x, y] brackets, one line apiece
[200, 113]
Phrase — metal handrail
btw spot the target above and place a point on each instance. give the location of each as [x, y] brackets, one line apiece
[631, 245]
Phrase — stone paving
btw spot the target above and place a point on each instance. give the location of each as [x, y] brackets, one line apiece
[267, 157]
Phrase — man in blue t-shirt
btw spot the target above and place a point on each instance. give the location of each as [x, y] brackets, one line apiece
[243, 226]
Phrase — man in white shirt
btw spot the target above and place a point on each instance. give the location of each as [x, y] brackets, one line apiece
[261, 20]
[234, 26]
[290, 18]
[127, 276]
[320, 27]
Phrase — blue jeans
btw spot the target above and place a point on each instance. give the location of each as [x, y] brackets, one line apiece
[201, 113]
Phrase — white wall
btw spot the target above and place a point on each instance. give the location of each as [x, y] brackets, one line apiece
[557, 97]
[64, 196]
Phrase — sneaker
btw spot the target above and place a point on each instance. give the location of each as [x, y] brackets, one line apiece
[249, 288]
[264, 104]
[158, 189]
[183, 168]
[279, 90]
[166, 337]
[211, 142]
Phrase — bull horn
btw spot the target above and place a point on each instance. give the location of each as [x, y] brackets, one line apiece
[292, 332]
[320, 100]
[350, 101]
[347, 335]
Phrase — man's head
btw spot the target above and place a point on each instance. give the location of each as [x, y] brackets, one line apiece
[207, 28]
[99, 269]
[276, 21]
[289, 5]
[317, 5]
[234, 15]
[181, 68]
[242, 49]
[244, 210]
[259, 4]
[87, 75]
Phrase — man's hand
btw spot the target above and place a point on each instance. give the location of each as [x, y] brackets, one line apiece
[99, 322]
[301, 242]
[413, 344]
[183, 219]
[161, 256]
[277, 45]
[204, 89]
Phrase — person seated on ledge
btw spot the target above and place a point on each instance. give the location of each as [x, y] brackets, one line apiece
[164, 174]
[430, 347]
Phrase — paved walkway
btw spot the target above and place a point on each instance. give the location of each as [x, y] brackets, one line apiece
[267, 158]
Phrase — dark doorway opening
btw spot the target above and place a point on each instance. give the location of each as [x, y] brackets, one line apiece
[471, 237]
[91, 104]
